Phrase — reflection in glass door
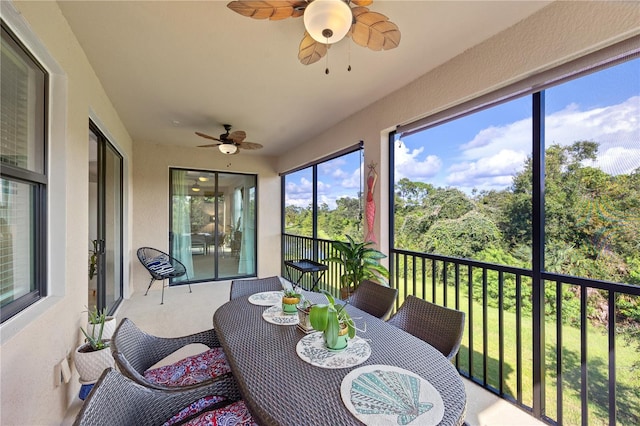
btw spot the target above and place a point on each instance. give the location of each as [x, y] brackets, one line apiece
[213, 224]
[105, 223]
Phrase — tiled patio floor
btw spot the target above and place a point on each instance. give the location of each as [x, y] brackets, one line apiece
[184, 313]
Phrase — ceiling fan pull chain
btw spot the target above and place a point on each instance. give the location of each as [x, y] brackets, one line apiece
[349, 56]
[326, 70]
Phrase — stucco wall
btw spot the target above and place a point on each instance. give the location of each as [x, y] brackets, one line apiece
[41, 336]
[151, 200]
[556, 34]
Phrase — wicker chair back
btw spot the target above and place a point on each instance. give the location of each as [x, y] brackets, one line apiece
[437, 325]
[374, 298]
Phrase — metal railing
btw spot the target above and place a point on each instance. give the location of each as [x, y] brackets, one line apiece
[580, 382]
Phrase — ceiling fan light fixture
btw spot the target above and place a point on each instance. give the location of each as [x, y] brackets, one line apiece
[227, 148]
[195, 187]
[328, 21]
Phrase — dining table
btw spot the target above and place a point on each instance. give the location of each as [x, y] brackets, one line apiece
[281, 387]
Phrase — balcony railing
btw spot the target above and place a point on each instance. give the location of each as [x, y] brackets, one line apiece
[594, 378]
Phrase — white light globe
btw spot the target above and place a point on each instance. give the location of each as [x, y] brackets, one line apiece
[328, 21]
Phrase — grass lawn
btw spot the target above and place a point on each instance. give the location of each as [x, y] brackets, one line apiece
[627, 374]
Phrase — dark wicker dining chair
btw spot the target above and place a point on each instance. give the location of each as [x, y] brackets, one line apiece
[240, 288]
[135, 352]
[437, 325]
[118, 401]
[374, 298]
[161, 266]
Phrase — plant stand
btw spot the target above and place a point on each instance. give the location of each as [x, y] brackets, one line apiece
[305, 266]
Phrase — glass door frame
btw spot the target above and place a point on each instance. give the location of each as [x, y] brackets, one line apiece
[103, 144]
[249, 198]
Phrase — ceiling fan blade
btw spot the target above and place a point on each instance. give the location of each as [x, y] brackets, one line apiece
[310, 51]
[362, 2]
[273, 10]
[249, 145]
[237, 136]
[208, 146]
[203, 135]
[374, 30]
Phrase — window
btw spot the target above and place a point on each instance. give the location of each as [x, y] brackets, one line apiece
[23, 178]
[463, 187]
[324, 200]
[457, 186]
[592, 183]
[213, 224]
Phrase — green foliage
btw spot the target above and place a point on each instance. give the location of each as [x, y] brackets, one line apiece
[359, 262]
[591, 229]
[328, 317]
[93, 259]
[462, 237]
[96, 321]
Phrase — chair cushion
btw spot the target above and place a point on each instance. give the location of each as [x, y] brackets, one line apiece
[191, 370]
[233, 414]
[194, 408]
[160, 265]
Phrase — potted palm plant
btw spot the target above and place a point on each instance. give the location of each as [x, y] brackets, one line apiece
[93, 356]
[334, 321]
[359, 262]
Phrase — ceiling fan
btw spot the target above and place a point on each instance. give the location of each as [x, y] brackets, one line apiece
[230, 143]
[326, 22]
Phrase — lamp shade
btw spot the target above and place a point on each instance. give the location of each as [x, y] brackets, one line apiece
[227, 148]
[328, 21]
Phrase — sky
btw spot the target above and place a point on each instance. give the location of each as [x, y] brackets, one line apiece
[485, 150]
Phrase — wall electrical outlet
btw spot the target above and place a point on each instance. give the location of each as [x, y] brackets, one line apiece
[61, 372]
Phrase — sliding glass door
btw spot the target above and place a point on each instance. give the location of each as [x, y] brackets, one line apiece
[105, 225]
[213, 224]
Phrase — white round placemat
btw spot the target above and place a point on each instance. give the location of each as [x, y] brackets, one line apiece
[275, 315]
[311, 348]
[389, 395]
[266, 298]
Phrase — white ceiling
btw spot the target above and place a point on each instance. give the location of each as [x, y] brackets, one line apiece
[175, 67]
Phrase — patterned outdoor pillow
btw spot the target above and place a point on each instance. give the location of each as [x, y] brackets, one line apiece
[235, 414]
[191, 370]
[160, 265]
[194, 408]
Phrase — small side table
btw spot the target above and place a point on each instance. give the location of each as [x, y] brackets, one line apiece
[305, 266]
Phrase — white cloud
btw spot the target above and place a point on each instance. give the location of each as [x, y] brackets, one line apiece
[496, 153]
[610, 126]
[298, 194]
[333, 183]
[493, 172]
[409, 166]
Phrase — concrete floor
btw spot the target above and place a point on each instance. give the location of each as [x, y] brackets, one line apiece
[185, 313]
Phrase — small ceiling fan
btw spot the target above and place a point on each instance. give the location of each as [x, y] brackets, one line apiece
[326, 22]
[229, 143]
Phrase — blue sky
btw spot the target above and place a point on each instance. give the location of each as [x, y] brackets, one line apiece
[485, 150]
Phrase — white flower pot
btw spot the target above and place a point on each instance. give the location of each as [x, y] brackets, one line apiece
[107, 331]
[90, 365]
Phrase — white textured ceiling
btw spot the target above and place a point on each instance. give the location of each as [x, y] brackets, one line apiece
[175, 67]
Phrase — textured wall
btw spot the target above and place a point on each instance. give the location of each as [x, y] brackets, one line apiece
[151, 199]
[40, 337]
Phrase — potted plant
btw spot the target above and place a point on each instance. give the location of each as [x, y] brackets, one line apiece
[334, 321]
[94, 354]
[93, 259]
[359, 262]
[290, 300]
[303, 316]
